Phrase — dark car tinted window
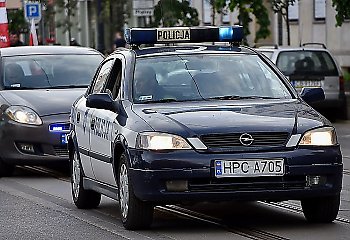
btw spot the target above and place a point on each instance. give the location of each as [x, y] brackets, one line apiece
[203, 76]
[47, 71]
[306, 63]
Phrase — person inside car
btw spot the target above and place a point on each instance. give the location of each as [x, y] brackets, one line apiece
[146, 85]
[13, 74]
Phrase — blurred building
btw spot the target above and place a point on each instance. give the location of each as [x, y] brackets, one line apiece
[13, 4]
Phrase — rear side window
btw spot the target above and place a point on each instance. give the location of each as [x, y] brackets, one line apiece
[306, 62]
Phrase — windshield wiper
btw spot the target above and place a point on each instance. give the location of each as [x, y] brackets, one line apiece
[258, 97]
[236, 97]
[227, 97]
[69, 86]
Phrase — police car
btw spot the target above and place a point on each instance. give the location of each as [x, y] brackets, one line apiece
[165, 125]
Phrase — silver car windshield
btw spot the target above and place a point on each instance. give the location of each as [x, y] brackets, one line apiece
[49, 71]
[205, 77]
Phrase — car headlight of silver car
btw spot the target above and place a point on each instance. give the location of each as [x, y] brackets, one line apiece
[161, 141]
[24, 115]
[324, 136]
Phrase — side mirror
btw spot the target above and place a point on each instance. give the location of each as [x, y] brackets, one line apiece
[311, 95]
[101, 101]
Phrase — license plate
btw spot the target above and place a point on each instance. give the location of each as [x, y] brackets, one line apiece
[249, 168]
[64, 138]
[306, 83]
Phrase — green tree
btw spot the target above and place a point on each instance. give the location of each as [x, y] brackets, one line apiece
[342, 8]
[245, 7]
[281, 7]
[169, 13]
[16, 20]
[69, 8]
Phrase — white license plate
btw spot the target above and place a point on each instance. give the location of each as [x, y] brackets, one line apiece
[306, 83]
[64, 138]
[249, 168]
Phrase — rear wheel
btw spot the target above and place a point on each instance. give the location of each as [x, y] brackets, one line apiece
[6, 170]
[135, 214]
[321, 210]
[84, 199]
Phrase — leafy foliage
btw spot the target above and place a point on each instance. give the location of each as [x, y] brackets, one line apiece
[16, 20]
[169, 13]
[343, 11]
[245, 7]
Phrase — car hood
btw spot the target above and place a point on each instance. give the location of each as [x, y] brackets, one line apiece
[200, 118]
[44, 101]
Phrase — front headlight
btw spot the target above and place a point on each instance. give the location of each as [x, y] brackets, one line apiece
[325, 136]
[24, 115]
[161, 141]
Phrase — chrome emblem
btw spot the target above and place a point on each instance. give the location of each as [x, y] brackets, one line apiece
[246, 139]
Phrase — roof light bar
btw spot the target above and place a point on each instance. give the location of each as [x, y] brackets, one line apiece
[137, 36]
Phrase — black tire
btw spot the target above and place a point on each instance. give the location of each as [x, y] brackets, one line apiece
[83, 199]
[6, 170]
[321, 210]
[137, 214]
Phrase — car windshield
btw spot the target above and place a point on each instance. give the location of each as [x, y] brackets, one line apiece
[49, 71]
[205, 77]
[307, 63]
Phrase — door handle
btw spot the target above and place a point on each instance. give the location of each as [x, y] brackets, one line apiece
[92, 125]
[78, 117]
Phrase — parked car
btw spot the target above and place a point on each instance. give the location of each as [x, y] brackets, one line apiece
[312, 65]
[193, 123]
[37, 88]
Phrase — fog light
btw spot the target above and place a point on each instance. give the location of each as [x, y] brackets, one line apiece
[315, 180]
[177, 186]
[25, 147]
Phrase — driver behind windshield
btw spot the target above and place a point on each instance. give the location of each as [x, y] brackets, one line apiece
[146, 85]
[14, 74]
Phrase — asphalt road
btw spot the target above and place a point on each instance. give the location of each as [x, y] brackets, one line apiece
[36, 204]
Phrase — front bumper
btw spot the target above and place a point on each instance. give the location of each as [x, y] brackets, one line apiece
[149, 181]
[48, 145]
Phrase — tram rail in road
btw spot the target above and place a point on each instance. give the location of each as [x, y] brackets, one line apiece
[250, 233]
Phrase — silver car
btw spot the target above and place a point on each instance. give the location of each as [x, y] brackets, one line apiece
[310, 66]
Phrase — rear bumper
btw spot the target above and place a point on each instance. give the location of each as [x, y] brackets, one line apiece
[48, 145]
[335, 103]
[150, 185]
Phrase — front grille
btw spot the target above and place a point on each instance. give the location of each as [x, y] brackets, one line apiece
[61, 151]
[247, 184]
[271, 139]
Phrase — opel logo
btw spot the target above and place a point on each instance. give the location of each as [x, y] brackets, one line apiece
[246, 139]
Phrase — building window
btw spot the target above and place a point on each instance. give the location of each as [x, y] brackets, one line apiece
[293, 11]
[320, 10]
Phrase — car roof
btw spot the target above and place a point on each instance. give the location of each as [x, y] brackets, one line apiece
[280, 49]
[38, 50]
[191, 49]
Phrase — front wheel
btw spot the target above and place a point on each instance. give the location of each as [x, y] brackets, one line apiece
[83, 199]
[321, 210]
[135, 214]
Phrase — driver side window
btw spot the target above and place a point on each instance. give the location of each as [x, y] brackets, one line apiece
[102, 76]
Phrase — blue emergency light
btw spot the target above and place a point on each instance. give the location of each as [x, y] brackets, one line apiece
[137, 36]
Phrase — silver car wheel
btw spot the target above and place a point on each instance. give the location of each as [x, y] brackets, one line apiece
[76, 175]
[124, 190]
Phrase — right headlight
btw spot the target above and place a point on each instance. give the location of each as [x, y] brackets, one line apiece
[324, 136]
[24, 115]
[161, 141]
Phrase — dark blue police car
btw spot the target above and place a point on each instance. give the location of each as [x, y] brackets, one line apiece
[164, 125]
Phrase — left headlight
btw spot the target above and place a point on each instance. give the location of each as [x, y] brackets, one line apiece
[24, 115]
[325, 136]
[161, 141]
